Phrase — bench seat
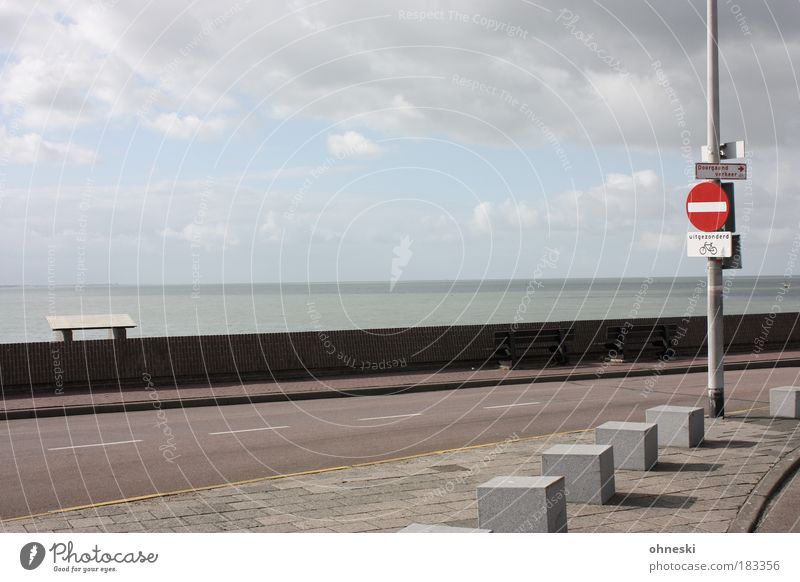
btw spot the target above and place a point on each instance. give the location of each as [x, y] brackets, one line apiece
[628, 338]
[516, 344]
[63, 326]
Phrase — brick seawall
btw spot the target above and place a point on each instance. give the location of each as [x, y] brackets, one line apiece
[180, 360]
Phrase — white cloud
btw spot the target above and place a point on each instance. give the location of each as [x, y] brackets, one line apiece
[509, 215]
[352, 144]
[622, 201]
[270, 228]
[209, 236]
[519, 214]
[87, 63]
[198, 69]
[175, 126]
[31, 148]
[441, 228]
[630, 182]
[660, 241]
[481, 220]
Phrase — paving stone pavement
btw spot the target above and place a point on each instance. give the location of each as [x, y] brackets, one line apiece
[689, 490]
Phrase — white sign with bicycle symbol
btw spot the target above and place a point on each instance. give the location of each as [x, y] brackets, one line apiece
[709, 245]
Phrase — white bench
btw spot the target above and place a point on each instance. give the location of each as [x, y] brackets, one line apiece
[64, 325]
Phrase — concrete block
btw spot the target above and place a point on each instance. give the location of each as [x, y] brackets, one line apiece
[678, 426]
[635, 444]
[429, 528]
[588, 471]
[784, 402]
[523, 505]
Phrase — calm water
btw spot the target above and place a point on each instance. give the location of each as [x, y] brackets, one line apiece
[244, 308]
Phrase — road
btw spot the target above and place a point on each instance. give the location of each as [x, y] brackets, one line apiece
[62, 462]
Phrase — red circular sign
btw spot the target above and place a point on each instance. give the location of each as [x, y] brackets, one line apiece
[707, 206]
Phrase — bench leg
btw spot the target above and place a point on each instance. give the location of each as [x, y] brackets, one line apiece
[558, 354]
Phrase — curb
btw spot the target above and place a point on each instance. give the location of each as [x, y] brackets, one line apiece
[27, 413]
[752, 511]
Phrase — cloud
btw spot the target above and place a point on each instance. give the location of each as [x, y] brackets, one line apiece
[208, 236]
[88, 63]
[659, 241]
[481, 221]
[367, 73]
[31, 148]
[352, 144]
[488, 216]
[519, 214]
[270, 228]
[622, 201]
[629, 183]
[175, 126]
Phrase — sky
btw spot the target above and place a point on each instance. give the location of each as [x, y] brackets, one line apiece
[209, 142]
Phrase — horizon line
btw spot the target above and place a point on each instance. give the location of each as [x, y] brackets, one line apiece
[366, 281]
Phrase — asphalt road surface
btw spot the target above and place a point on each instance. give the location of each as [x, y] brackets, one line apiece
[54, 463]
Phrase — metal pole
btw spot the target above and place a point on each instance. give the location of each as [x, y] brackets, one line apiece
[716, 371]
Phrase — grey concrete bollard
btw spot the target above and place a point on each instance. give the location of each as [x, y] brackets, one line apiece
[588, 471]
[430, 528]
[678, 426]
[784, 402]
[635, 443]
[523, 505]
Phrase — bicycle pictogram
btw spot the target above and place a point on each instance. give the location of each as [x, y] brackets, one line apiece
[709, 248]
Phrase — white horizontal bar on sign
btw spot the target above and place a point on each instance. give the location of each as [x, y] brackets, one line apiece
[707, 206]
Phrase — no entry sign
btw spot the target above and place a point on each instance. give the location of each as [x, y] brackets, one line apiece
[707, 207]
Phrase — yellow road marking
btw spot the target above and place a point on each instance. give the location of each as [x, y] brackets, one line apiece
[746, 410]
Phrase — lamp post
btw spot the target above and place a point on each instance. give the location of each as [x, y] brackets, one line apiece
[716, 371]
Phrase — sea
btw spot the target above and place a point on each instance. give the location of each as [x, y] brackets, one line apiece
[179, 310]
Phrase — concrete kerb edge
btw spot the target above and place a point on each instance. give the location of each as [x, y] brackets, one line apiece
[752, 511]
[25, 413]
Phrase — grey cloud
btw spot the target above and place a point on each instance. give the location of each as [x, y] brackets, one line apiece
[587, 68]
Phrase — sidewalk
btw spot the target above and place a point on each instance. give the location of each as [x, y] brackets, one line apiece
[85, 401]
[717, 487]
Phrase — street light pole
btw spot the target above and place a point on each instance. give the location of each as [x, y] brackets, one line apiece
[716, 371]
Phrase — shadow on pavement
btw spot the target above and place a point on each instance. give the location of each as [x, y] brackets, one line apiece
[667, 467]
[651, 500]
[728, 444]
